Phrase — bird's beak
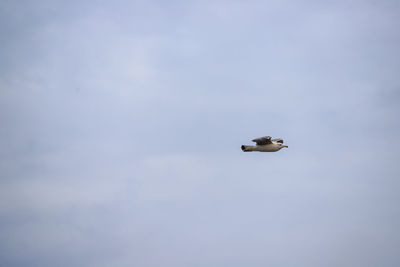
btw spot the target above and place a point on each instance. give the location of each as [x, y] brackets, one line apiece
[285, 146]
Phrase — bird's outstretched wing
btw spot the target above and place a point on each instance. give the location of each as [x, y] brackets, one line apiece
[277, 140]
[265, 140]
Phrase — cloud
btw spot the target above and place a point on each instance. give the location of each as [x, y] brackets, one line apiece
[122, 126]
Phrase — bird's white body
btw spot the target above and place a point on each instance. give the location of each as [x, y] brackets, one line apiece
[265, 144]
[264, 148]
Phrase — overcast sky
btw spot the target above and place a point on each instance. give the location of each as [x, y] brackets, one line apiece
[121, 124]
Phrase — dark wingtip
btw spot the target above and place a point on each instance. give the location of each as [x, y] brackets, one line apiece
[243, 147]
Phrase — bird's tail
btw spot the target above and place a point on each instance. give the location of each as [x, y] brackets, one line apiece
[246, 148]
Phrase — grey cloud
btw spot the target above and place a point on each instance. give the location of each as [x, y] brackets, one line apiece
[122, 125]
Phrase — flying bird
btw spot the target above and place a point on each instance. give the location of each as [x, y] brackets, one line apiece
[265, 144]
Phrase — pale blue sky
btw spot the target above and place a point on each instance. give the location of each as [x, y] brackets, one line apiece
[121, 126]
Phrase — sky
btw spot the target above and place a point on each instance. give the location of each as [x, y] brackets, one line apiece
[122, 121]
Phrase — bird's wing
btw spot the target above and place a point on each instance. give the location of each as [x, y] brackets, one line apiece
[265, 140]
[277, 140]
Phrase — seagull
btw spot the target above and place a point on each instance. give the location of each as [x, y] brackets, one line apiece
[265, 144]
